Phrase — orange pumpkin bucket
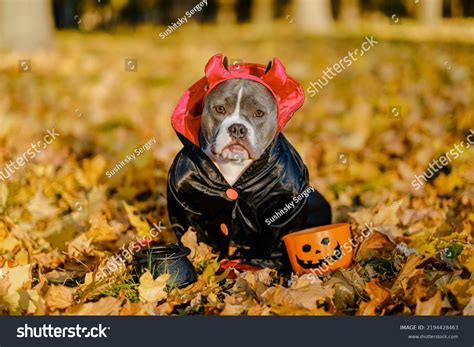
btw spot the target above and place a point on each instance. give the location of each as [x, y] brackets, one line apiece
[321, 249]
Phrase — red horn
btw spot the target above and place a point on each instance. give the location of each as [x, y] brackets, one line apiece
[276, 76]
[215, 70]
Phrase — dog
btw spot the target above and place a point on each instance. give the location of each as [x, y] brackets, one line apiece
[238, 123]
[238, 182]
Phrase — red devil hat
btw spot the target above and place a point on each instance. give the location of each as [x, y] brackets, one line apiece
[288, 93]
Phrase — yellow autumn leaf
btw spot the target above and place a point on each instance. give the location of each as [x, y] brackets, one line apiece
[424, 243]
[59, 297]
[19, 278]
[153, 290]
[466, 258]
[142, 226]
[462, 289]
[3, 196]
[41, 206]
[100, 229]
[92, 170]
[445, 184]
[430, 307]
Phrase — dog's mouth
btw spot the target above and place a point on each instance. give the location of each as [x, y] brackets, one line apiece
[237, 151]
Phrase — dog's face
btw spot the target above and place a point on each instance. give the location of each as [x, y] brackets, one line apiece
[239, 119]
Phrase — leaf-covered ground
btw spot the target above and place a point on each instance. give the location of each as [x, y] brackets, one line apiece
[61, 216]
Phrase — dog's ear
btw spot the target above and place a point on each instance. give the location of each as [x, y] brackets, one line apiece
[269, 66]
[225, 62]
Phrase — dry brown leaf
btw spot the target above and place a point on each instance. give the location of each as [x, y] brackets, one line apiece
[431, 307]
[41, 207]
[4, 283]
[466, 258]
[3, 196]
[133, 214]
[133, 309]
[255, 281]
[153, 290]
[383, 217]
[199, 251]
[50, 260]
[291, 310]
[462, 289]
[59, 297]
[305, 293]
[408, 271]
[91, 172]
[416, 289]
[9, 244]
[378, 296]
[100, 230]
[469, 309]
[233, 308]
[22, 257]
[164, 309]
[376, 246]
[104, 307]
[19, 280]
[259, 310]
[80, 247]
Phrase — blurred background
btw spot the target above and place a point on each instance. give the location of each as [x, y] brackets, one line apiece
[100, 73]
[313, 15]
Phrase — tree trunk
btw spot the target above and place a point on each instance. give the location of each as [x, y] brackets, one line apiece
[350, 12]
[313, 15]
[26, 25]
[226, 12]
[262, 12]
[456, 8]
[430, 12]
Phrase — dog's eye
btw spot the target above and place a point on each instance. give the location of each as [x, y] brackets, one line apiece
[220, 109]
[259, 113]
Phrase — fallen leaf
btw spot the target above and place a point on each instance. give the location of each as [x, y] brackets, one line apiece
[378, 295]
[59, 297]
[408, 271]
[469, 309]
[304, 294]
[199, 251]
[153, 290]
[100, 230]
[462, 289]
[42, 207]
[376, 246]
[142, 226]
[431, 307]
[104, 307]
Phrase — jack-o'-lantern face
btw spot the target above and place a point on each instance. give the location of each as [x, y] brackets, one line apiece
[316, 255]
[320, 249]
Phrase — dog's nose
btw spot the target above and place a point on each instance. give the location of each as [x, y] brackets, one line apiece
[237, 130]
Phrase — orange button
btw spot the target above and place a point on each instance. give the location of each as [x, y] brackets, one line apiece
[231, 194]
[224, 229]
